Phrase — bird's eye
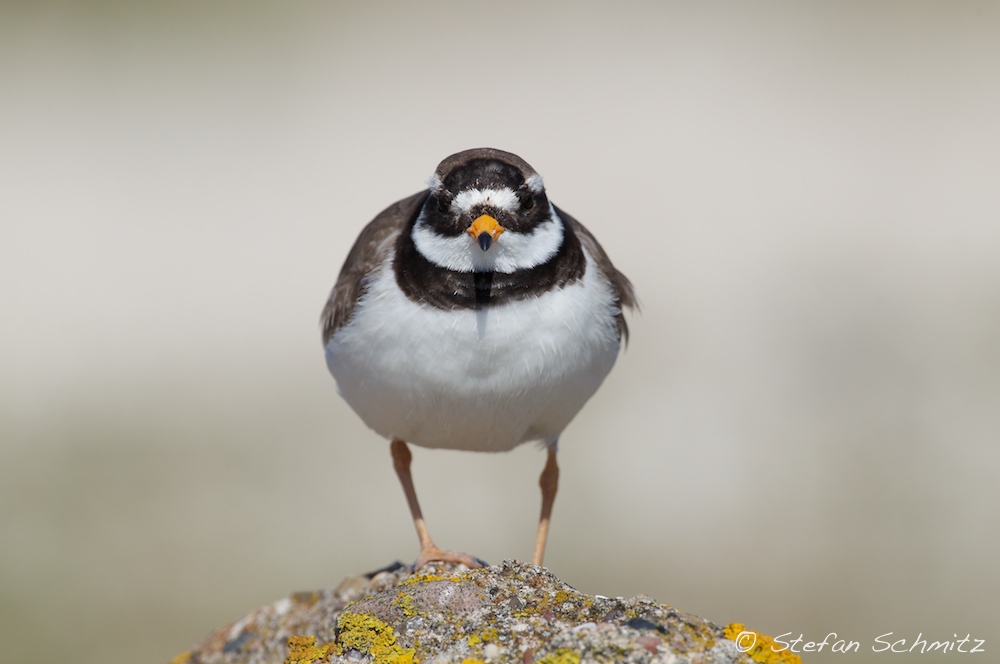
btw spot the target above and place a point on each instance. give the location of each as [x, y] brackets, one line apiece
[443, 203]
[527, 201]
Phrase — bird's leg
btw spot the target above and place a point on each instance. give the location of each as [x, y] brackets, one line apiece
[549, 482]
[429, 551]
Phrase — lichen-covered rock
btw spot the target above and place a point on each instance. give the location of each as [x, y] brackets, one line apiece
[513, 612]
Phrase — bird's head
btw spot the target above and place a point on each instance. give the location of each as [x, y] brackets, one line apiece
[483, 212]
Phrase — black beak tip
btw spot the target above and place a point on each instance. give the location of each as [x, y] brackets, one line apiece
[484, 240]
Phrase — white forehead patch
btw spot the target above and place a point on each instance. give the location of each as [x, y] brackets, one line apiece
[503, 199]
[434, 183]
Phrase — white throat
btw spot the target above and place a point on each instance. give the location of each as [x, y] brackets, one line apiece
[511, 251]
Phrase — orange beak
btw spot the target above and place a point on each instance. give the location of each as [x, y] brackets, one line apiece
[485, 230]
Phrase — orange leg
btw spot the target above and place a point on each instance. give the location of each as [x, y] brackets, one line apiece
[429, 551]
[549, 482]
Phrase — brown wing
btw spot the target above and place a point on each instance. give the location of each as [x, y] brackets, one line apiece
[366, 255]
[622, 287]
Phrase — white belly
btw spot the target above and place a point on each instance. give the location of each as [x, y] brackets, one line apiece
[475, 380]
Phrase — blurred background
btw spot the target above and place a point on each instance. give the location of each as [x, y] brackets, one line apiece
[802, 435]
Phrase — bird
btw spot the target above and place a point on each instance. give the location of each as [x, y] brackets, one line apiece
[474, 315]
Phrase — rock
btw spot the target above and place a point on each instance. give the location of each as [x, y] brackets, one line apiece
[514, 612]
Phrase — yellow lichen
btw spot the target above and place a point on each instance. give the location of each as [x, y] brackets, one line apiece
[303, 650]
[182, 658]
[369, 635]
[489, 634]
[473, 640]
[307, 598]
[473, 661]
[405, 602]
[561, 656]
[698, 633]
[421, 578]
[427, 578]
[760, 647]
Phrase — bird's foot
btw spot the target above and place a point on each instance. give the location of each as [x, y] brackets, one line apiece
[430, 554]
